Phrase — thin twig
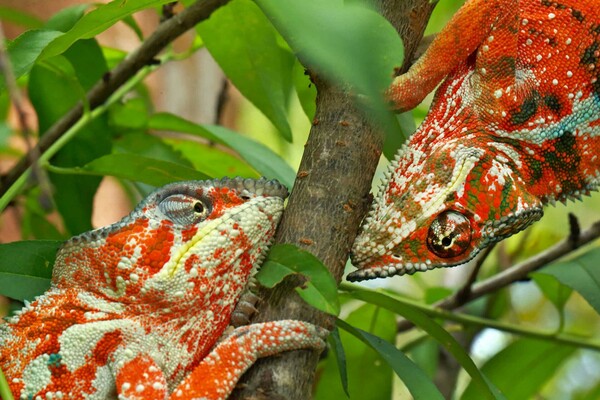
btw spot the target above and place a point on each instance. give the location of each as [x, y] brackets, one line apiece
[168, 10]
[221, 101]
[14, 93]
[574, 229]
[144, 55]
[515, 273]
[465, 291]
[529, 332]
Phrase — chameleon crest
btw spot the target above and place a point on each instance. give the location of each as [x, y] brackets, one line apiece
[515, 125]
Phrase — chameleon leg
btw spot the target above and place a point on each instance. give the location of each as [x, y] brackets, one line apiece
[141, 379]
[245, 307]
[215, 377]
[467, 30]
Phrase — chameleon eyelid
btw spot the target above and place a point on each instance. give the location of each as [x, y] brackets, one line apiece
[185, 209]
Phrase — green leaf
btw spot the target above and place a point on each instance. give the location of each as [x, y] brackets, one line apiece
[26, 268]
[415, 379]
[144, 144]
[140, 169]
[424, 352]
[66, 18]
[244, 44]
[26, 48]
[35, 223]
[5, 105]
[113, 56]
[5, 134]
[4, 388]
[320, 290]
[554, 291]
[406, 123]
[436, 293]
[581, 274]
[212, 160]
[485, 388]
[349, 43]
[97, 21]
[132, 23]
[340, 357]
[88, 62]
[522, 368]
[306, 91]
[260, 157]
[132, 114]
[588, 393]
[18, 17]
[361, 362]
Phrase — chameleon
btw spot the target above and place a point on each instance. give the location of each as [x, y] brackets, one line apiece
[513, 126]
[141, 309]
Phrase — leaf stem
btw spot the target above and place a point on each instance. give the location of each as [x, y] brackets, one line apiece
[67, 170]
[464, 319]
[44, 158]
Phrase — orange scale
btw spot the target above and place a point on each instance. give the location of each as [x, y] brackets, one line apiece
[60, 377]
[50, 346]
[595, 123]
[192, 260]
[218, 253]
[188, 234]
[106, 346]
[84, 377]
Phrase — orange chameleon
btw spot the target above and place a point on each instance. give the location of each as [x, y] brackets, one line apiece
[139, 309]
[515, 125]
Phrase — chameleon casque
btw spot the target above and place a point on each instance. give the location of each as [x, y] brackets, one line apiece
[139, 309]
[514, 125]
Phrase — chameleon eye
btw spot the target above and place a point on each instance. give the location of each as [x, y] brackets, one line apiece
[199, 207]
[183, 209]
[449, 234]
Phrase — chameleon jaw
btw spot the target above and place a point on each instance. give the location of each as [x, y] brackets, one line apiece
[367, 272]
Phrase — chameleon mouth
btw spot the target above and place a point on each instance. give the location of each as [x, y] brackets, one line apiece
[387, 270]
[391, 266]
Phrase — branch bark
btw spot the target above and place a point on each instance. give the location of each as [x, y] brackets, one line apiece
[329, 199]
[166, 32]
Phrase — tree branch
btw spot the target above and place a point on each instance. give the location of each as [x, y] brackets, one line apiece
[166, 32]
[515, 273]
[465, 290]
[328, 201]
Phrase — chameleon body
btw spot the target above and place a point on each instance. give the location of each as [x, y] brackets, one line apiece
[514, 125]
[139, 309]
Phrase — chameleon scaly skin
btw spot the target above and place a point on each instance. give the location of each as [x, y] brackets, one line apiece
[139, 309]
[515, 125]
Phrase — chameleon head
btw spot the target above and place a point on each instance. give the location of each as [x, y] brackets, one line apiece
[188, 243]
[442, 204]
